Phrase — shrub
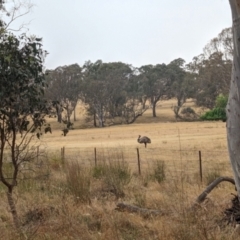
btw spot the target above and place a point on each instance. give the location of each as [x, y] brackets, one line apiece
[187, 110]
[219, 112]
[221, 101]
[188, 113]
[215, 114]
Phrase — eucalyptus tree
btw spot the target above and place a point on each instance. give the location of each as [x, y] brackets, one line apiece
[64, 86]
[212, 69]
[157, 81]
[136, 103]
[183, 84]
[22, 106]
[99, 88]
[108, 92]
[212, 76]
[223, 43]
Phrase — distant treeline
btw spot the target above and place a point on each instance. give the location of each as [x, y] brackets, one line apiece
[117, 92]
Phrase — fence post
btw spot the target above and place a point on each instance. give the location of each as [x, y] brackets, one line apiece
[139, 164]
[95, 156]
[200, 165]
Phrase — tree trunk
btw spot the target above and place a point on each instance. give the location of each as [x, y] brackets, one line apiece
[99, 114]
[100, 122]
[59, 113]
[144, 100]
[233, 106]
[13, 208]
[94, 120]
[154, 109]
[74, 114]
[68, 114]
[176, 111]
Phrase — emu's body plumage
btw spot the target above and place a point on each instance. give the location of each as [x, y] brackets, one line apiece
[144, 140]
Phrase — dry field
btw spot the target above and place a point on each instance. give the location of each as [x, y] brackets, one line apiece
[77, 200]
[177, 143]
[163, 130]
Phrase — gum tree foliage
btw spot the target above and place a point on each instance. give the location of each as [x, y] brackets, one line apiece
[136, 101]
[64, 86]
[214, 74]
[223, 43]
[157, 82]
[109, 92]
[22, 107]
[212, 69]
[99, 88]
[183, 84]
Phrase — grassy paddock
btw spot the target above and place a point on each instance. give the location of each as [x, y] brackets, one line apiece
[177, 144]
[77, 200]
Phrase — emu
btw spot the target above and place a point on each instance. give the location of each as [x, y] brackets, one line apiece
[144, 140]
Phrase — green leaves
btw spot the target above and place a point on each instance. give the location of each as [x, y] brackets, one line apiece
[219, 111]
[64, 88]
[109, 89]
[22, 82]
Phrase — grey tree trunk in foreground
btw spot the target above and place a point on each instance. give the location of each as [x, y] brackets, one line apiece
[233, 106]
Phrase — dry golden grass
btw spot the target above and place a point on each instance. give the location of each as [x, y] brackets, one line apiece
[163, 130]
[51, 211]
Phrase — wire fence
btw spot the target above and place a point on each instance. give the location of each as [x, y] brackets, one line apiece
[189, 163]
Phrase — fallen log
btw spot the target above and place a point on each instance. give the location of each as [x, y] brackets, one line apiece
[143, 211]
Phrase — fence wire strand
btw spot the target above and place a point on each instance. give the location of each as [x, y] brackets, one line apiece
[182, 161]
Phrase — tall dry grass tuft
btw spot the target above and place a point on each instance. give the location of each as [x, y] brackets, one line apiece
[159, 171]
[78, 181]
[210, 176]
[115, 175]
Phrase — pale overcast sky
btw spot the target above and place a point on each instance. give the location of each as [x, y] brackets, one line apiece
[137, 32]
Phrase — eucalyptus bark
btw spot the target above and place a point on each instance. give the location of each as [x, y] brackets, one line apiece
[233, 106]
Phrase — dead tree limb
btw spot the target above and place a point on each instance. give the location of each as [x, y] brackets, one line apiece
[210, 187]
[155, 212]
